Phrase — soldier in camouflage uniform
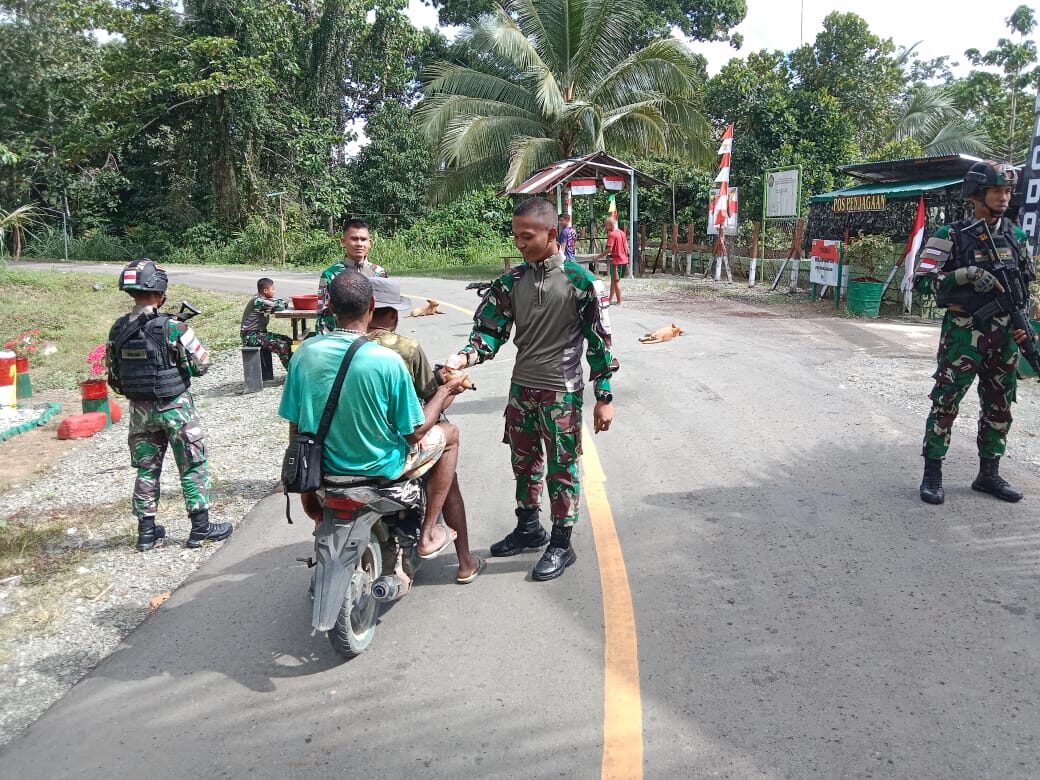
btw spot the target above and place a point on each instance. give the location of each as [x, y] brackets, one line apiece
[556, 307]
[151, 359]
[956, 266]
[356, 242]
[256, 317]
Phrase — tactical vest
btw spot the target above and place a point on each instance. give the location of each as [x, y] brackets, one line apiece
[974, 245]
[144, 367]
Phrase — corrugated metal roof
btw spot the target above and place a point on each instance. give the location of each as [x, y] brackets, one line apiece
[905, 189]
[590, 166]
[911, 168]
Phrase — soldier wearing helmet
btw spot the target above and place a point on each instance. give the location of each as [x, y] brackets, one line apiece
[151, 360]
[956, 266]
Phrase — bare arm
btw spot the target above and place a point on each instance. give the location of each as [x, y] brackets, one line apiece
[438, 402]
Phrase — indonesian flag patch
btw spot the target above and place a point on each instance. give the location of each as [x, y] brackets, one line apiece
[130, 276]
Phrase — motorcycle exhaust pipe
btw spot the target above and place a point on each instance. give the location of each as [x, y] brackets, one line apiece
[387, 588]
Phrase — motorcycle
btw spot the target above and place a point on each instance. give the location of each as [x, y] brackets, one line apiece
[368, 538]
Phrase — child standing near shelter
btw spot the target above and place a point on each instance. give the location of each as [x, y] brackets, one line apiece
[256, 318]
[151, 360]
[568, 238]
[555, 308]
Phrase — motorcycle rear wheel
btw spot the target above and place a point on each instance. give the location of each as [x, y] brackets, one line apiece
[356, 625]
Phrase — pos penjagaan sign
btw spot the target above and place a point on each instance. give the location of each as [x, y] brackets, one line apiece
[1031, 188]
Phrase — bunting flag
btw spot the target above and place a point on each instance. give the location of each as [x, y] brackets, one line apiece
[583, 186]
[614, 183]
[913, 246]
[611, 206]
[720, 210]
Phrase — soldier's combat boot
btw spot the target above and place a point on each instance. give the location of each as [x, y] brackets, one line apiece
[149, 534]
[990, 481]
[528, 535]
[203, 530]
[931, 486]
[557, 556]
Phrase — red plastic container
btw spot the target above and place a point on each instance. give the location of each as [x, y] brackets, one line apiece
[79, 426]
[305, 301]
[22, 365]
[93, 389]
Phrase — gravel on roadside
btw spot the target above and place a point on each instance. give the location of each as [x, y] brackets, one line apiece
[57, 632]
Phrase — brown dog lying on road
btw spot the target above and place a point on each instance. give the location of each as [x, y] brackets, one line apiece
[429, 308]
[666, 333]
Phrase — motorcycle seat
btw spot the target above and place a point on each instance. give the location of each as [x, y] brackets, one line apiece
[358, 480]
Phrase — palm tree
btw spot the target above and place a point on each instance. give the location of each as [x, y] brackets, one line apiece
[554, 79]
[930, 118]
[16, 222]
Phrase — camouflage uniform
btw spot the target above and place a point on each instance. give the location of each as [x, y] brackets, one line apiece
[254, 331]
[414, 358]
[967, 349]
[326, 320]
[173, 422]
[557, 308]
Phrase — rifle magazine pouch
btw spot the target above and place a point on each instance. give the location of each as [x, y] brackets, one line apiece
[301, 466]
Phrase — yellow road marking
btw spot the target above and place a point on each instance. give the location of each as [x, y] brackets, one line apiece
[442, 303]
[622, 705]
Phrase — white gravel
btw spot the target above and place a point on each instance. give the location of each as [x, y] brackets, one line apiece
[58, 633]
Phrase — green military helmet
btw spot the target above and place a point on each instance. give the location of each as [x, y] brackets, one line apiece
[143, 275]
[988, 173]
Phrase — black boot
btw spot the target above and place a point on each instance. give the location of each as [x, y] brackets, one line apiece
[990, 481]
[557, 556]
[202, 529]
[149, 534]
[528, 535]
[931, 486]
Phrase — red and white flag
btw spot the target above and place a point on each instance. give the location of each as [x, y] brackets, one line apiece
[583, 186]
[913, 246]
[720, 210]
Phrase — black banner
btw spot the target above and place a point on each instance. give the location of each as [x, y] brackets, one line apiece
[1031, 188]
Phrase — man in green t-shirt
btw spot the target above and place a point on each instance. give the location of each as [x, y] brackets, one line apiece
[379, 428]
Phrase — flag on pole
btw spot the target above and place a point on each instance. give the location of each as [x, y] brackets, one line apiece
[720, 210]
[726, 147]
[611, 206]
[913, 246]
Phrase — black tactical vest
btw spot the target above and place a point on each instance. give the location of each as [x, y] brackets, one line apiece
[144, 367]
[974, 245]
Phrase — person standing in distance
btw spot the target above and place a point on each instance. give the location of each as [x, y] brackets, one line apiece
[151, 360]
[555, 308]
[959, 260]
[356, 242]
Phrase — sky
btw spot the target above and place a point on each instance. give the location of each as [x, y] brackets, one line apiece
[942, 27]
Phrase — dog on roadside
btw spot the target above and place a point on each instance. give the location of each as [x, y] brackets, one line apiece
[424, 311]
[666, 333]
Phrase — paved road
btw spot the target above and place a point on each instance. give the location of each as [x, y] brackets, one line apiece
[799, 612]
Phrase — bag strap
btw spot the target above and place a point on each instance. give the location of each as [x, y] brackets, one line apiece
[337, 386]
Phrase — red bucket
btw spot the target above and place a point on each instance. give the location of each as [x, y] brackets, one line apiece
[93, 389]
[8, 368]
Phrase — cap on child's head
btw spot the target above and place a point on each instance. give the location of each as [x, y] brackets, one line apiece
[387, 294]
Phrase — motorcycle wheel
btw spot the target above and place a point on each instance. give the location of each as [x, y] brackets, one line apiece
[356, 625]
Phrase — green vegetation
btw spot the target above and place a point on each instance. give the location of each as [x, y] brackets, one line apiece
[76, 317]
[222, 132]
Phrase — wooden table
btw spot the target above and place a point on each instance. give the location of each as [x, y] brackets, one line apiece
[298, 318]
[508, 261]
[586, 259]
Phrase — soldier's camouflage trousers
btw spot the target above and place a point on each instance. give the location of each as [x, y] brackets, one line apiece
[273, 342]
[964, 353]
[540, 425]
[153, 426]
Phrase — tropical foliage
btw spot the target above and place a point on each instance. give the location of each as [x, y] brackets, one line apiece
[553, 79]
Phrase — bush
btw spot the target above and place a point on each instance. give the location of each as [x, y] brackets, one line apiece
[474, 218]
[870, 258]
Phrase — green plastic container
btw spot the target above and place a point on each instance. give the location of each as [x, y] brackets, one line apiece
[864, 297]
[98, 405]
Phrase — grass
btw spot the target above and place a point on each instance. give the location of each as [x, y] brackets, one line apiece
[76, 310]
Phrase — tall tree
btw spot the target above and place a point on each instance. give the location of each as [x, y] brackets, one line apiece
[1015, 59]
[558, 78]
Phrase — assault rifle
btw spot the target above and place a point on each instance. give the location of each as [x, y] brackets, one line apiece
[480, 287]
[1013, 301]
[187, 311]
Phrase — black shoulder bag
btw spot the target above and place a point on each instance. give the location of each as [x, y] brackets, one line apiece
[301, 466]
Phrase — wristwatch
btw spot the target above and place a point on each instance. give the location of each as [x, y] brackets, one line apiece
[605, 397]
